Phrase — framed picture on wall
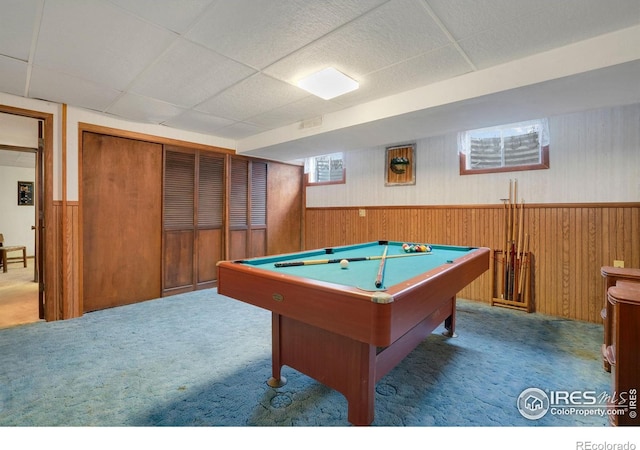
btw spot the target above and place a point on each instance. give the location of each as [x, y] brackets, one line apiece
[400, 166]
[25, 193]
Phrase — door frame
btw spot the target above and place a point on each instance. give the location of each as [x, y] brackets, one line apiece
[45, 225]
[38, 213]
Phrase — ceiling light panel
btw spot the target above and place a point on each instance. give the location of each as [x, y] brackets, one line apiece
[328, 83]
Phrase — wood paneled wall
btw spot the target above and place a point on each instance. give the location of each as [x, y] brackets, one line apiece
[569, 243]
[63, 274]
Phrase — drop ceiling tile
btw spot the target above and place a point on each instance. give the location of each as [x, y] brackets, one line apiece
[14, 74]
[174, 15]
[16, 28]
[576, 20]
[238, 130]
[197, 121]
[571, 21]
[438, 65]
[309, 107]
[97, 41]
[259, 32]
[91, 53]
[396, 31]
[252, 96]
[144, 109]
[464, 18]
[62, 88]
[188, 74]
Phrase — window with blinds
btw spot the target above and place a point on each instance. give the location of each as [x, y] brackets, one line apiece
[516, 146]
[325, 169]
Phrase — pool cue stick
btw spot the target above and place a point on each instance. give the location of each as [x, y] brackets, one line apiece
[312, 262]
[504, 248]
[515, 210]
[512, 231]
[524, 262]
[520, 228]
[506, 243]
[518, 255]
[507, 246]
[380, 275]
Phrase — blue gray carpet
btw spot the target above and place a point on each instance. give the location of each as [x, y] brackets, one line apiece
[202, 359]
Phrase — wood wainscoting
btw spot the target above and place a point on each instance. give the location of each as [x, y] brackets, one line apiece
[569, 243]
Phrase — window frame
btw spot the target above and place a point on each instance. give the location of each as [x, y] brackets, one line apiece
[342, 179]
[544, 151]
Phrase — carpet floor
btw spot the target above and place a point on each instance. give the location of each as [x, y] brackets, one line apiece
[202, 359]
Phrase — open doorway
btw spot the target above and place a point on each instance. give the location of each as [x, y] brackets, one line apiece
[20, 198]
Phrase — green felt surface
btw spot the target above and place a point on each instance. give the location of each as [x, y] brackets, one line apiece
[362, 274]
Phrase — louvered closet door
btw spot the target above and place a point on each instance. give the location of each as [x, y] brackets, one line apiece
[179, 215]
[210, 213]
[238, 209]
[247, 209]
[258, 208]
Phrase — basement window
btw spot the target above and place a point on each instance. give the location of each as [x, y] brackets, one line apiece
[505, 148]
[325, 169]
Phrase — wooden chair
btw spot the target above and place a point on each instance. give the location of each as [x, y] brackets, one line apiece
[14, 248]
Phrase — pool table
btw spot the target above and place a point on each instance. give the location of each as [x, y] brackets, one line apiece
[334, 325]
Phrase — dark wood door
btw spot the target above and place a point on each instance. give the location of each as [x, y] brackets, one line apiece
[286, 201]
[121, 201]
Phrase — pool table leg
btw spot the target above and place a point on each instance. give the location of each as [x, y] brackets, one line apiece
[276, 380]
[450, 322]
[341, 363]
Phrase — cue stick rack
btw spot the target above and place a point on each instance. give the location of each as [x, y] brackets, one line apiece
[513, 263]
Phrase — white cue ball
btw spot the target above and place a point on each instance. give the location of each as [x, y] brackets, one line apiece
[344, 263]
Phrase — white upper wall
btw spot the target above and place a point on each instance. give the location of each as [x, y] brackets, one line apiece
[76, 116]
[594, 157]
[18, 131]
[16, 221]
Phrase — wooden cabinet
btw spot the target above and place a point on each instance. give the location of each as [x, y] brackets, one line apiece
[193, 218]
[622, 353]
[612, 275]
[219, 206]
[157, 217]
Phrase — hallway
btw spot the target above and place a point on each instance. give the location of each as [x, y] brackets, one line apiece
[18, 295]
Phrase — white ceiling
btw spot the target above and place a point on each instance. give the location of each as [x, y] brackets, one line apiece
[228, 67]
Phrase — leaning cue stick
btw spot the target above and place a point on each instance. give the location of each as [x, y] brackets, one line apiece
[504, 251]
[507, 243]
[380, 275]
[518, 261]
[513, 242]
[312, 262]
[523, 273]
[520, 228]
[515, 211]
